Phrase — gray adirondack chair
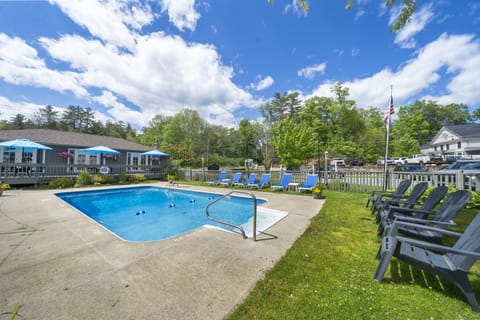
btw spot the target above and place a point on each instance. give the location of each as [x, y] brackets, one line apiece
[442, 219]
[377, 198]
[434, 198]
[409, 202]
[450, 263]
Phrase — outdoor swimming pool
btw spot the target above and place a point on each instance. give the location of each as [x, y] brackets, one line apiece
[143, 214]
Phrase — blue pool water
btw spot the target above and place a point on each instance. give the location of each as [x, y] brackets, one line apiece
[152, 213]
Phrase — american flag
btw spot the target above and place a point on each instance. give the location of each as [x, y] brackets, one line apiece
[389, 111]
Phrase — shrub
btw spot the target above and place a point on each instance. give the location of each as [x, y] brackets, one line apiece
[109, 180]
[61, 183]
[137, 178]
[83, 178]
[98, 179]
[122, 178]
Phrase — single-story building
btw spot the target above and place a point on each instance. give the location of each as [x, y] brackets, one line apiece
[456, 140]
[67, 157]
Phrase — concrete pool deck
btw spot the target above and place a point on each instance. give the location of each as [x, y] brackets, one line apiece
[58, 264]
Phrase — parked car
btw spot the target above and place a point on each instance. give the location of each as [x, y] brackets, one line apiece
[355, 162]
[399, 160]
[337, 161]
[381, 161]
[470, 168]
[409, 168]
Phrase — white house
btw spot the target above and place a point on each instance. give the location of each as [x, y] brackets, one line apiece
[462, 140]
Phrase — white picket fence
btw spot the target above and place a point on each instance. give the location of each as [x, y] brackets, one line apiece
[355, 181]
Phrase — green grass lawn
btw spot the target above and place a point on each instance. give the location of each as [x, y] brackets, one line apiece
[328, 274]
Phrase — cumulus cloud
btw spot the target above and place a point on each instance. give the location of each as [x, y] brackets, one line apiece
[459, 55]
[108, 20]
[405, 36]
[310, 71]
[262, 83]
[21, 65]
[181, 13]
[157, 74]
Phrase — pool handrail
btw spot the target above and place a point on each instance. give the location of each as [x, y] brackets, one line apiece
[232, 225]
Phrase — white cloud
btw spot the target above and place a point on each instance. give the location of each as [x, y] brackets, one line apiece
[262, 83]
[158, 74]
[405, 36]
[458, 54]
[9, 108]
[108, 20]
[21, 65]
[310, 71]
[164, 75]
[181, 13]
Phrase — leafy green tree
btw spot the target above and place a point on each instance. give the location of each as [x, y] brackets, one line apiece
[294, 142]
[19, 121]
[246, 134]
[420, 122]
[184, 131]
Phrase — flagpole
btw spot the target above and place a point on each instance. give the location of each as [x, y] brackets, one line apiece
[387, 139]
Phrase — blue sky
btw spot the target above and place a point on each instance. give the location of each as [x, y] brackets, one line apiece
[132, 60]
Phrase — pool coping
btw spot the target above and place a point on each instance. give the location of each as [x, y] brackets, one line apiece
[57, 264]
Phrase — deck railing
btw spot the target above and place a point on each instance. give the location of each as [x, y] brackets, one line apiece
[41, 173]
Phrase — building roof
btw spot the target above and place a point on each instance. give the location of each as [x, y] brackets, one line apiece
[471, 130]
[71, 139]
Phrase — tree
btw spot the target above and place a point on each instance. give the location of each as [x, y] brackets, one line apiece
[294, 142]
[282, 106]
[246, 134]
[19, 121]
[408, 9]
[46, 117]
[418, 123]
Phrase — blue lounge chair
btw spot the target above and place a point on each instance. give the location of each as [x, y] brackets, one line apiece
[251, 179]
[221, 177]
[286, 178]
[230, 182]
[310, 183]
[264, 182]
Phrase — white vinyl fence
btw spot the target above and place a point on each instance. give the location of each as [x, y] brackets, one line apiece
[355, 181]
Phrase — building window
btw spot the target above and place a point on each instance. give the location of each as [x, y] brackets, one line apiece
[447, 146]
[441, 147]
[134, 161]
[435, 148]
[459, 145]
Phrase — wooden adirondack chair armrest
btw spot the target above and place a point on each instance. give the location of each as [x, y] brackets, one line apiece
[424, 221]
[437, 247]
[414, 210]
[387, 203]
[392, 229]
[394, 209]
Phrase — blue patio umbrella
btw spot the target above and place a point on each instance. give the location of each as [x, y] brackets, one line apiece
[155, 153]
[25, 144]
[101, 149]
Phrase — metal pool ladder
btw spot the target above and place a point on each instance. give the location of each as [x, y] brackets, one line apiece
[233, 225]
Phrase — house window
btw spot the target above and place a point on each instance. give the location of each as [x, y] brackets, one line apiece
[134, 160]
[447, 146]
[435, 148]
[459, 145]
[441, 147]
